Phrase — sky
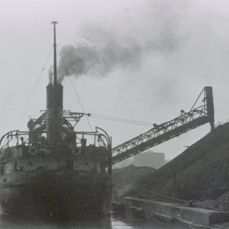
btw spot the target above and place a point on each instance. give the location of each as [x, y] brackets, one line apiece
[129, 59]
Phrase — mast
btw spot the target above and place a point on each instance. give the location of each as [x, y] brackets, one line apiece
[55, 124]
[54, 59]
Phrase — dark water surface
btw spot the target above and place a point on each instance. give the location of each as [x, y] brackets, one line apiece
[113, 222]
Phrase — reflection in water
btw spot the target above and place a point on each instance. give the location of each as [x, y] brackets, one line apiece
[114, 222]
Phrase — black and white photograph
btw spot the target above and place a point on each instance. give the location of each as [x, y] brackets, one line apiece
[114, 114]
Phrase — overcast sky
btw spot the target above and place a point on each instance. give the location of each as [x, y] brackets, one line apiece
[138, 60]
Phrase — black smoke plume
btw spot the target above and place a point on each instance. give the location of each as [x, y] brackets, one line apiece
[126, 42]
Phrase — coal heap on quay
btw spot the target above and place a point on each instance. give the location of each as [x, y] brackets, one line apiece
[200, 173]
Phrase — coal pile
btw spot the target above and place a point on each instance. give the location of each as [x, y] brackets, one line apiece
[200, 172]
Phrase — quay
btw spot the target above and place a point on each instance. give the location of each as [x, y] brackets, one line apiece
[149, 210]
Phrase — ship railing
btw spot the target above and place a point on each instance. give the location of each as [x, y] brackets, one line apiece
[16, 138]
[99, 138]
[13, 136]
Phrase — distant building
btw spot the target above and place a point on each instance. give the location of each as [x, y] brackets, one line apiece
[149, 158]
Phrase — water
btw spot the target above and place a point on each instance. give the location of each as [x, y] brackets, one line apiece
[113, 222]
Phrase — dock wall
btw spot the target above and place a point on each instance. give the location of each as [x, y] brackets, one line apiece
[173, 211]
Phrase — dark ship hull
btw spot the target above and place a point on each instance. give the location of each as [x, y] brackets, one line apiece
[63, 196]
[43, 182]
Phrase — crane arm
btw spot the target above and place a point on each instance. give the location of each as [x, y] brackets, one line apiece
[185, 122]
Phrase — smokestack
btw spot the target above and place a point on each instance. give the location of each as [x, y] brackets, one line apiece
[54, 121]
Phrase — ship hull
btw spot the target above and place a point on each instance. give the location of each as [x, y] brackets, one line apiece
[62, 196]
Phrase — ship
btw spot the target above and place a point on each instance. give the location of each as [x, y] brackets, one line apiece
[52, 169]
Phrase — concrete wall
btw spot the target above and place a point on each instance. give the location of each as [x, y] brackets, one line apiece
[176, 212]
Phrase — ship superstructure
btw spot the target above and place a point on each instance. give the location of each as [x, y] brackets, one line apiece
[52, 169]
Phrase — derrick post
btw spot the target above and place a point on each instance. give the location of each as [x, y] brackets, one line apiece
[210, 105]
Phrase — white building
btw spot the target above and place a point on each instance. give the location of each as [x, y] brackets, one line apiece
[149, 158]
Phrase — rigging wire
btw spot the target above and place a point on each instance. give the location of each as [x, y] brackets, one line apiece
[80, 103]
[101, 116]
[121, 120]
[197, 99]
[27, 104]
[66, 69]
